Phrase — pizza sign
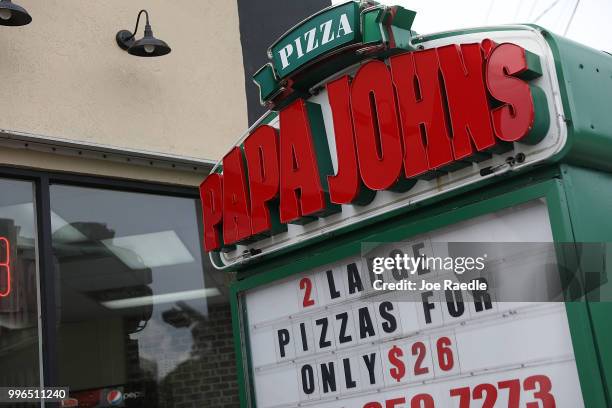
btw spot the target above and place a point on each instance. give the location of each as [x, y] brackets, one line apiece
[324, 338]
[366, 118]
[394, 124]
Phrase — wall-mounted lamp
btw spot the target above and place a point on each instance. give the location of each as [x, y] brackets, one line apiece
[147, 46]
[13, 15]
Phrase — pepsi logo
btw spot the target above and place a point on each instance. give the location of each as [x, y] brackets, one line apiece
[114, 397]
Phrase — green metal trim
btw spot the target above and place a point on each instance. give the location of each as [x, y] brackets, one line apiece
[587, 363]
[371, 25]
[269, 85]
[436, 36]
[585, 81]
[238, 349]
[270, 116]
[585, 353]
[589, 195]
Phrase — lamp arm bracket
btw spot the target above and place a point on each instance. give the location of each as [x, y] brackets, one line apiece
[137, 22]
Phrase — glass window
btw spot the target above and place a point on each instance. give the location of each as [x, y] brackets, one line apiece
[19, 340]
[144, 318]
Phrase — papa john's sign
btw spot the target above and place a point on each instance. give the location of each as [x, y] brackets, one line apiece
[367, 118]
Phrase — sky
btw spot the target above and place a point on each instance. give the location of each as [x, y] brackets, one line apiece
[591, 23]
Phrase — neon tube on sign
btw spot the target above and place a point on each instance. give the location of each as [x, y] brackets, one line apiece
[5, 267]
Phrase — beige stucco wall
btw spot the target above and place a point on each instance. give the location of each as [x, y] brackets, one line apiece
[64, 76]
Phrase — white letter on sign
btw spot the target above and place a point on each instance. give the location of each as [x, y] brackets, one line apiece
[344, 26]
[284, 54]
[327, 34]
[311, 40]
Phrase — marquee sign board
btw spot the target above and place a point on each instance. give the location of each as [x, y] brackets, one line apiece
[316, 340]
[384, 135]
[368, 121]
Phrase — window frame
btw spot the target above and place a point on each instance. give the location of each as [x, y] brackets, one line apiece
[42, 180]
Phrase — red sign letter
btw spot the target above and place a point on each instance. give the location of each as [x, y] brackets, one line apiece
[345, 187]
[301, 193]
[261, 151]
[236, 218]
[211, 193]
[515, 120]
[462, 70]
[377, 133]
[416, 77]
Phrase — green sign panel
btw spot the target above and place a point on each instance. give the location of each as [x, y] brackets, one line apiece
[332, 28]
[341, 35]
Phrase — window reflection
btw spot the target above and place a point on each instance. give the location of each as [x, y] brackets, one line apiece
[19, 341]
[144, 319]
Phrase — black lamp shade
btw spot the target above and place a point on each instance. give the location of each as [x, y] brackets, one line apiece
[149, 46]
[18, 15]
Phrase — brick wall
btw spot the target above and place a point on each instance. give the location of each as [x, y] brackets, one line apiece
[208, 377]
